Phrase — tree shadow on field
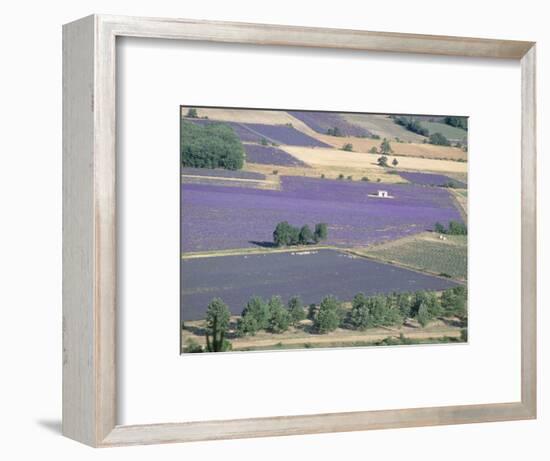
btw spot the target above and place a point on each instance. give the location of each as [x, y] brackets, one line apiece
[452, 322]
[409, 324]
[263, 244]
[195, 330]
[201, 330]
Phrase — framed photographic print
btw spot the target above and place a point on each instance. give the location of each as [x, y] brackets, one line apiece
[289, 222]
[307, 229]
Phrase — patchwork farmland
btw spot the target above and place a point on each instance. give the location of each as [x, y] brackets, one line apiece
[288, 213]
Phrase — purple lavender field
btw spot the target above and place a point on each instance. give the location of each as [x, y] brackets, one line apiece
[291, 274]
[322, 121]
[217, 217]
[268, 155]
[279, 134]
[431, 179]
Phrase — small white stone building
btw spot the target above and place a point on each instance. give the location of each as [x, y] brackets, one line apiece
[381, 194]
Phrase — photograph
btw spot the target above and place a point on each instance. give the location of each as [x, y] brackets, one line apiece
[304, 229]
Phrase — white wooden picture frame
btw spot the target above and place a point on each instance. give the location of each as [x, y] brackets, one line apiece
[89, 230]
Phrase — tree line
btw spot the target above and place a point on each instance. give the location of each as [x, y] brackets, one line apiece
[454, 228]
[287, 235]
[380, 310]
[415, 126]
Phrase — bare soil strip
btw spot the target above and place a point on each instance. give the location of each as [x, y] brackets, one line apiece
[435, 330]
[452, 333]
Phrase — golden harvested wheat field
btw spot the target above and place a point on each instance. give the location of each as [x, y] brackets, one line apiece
[334, 158]
[403, 149]
[315, 171]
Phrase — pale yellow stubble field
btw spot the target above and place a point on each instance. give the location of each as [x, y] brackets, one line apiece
[334, 158]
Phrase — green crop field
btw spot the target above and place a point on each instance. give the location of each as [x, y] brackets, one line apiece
[427, 253]
[450, 132]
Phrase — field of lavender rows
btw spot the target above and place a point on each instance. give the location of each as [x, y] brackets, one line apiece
[268, 155]
[323, 121]
[218, 217]
[291, 274]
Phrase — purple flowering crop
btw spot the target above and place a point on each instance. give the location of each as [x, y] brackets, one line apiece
[430, 179]
[322, 121]
[256, 153]
[218, 217]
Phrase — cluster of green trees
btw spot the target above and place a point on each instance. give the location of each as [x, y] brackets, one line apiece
[458, 122]
[439, 140]
[393, 309]
[335, 132]
[411, 124]
[384, 149]
[271, 315]
[383, 161]
[348, 147]
[288, 235]
[192, 113]
[210, 146]
[454, 228]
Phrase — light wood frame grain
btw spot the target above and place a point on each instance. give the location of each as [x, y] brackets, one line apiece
[89, 229]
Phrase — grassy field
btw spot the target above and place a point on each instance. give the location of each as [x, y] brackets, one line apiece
[383, 126]
[334, 159]
[450, 132]
[426, 252]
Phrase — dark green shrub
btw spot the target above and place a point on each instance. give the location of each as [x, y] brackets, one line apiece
[296, 310]
[279, 316]
[329, 316]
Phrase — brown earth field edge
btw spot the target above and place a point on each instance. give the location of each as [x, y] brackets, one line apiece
[437, 329]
